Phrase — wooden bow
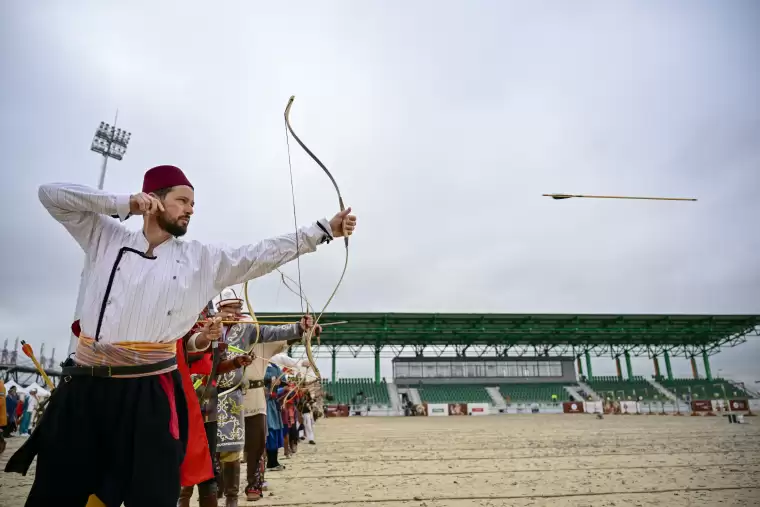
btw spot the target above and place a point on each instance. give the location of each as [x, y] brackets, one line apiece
[309, 333]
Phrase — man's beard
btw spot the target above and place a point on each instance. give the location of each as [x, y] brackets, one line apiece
[172, 228]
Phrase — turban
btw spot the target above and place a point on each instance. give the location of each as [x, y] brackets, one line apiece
[164, 176]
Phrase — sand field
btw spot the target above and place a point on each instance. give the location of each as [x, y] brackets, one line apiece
[519, 460]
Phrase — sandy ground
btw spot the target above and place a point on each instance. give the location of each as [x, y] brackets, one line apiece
[524, 460]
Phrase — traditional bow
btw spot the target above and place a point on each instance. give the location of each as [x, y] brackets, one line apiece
[310, 332]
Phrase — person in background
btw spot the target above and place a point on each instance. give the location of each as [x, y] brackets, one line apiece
[30, 405]
[11, 402]
[275, 434]
[3, 415]
[305, 407]
[288, 414]
[20, 409]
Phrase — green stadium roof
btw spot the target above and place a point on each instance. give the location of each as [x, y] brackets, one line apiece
[537, 330]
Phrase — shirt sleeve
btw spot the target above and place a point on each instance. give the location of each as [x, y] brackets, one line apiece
[233, 266]
[286, 360]
[192, 347]
[84, 212]
[279, 333]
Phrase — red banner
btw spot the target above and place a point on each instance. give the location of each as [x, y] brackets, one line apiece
[701, 405]
[739, 404]
[572, 407]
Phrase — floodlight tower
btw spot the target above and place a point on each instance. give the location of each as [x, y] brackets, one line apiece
[111, 143]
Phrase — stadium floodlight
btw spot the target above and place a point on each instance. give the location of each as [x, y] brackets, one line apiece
[110, 142]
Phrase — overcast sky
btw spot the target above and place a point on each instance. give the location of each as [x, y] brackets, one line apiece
[443, 123]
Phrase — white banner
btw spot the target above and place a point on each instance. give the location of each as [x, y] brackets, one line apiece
[754, 405]
[629, 407]
[593, 407]
[437, 409]
[477, 409]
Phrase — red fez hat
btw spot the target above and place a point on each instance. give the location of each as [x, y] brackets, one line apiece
[164, 176]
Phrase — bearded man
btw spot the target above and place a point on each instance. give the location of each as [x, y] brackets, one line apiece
[117, 426]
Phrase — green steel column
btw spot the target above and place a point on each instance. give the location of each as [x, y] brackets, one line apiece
[377, 364]
[656, 367]
[588, 365]
[628, 365]
[580, 365]
[667, 365]
[617, 367]
[694, 370]
[334, 355]
[706, 359]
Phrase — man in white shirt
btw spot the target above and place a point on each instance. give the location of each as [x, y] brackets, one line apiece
[117, 425]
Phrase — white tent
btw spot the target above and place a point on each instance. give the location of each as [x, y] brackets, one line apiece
[18, 387]
[41, 391]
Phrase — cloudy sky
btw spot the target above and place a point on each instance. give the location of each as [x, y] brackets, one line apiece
[443, 123]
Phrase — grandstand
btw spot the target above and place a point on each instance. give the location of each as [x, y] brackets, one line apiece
[686, 388]
[616, 388]
[345, 391]
[508, 360]
[448, 393]
[534, 393]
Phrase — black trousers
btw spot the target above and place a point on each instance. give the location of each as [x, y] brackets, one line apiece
[210, 486]
[120, 439]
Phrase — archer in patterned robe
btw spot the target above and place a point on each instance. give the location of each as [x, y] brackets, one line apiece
[241, 412]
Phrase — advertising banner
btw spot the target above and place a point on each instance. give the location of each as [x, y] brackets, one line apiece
[739, 404]
[437, 409]
[572, 407]
[702, 405]
[337, 411]
[477, 408]
[719, 405]
[754, 405]
[629, 407]
[592, 407]
[457, 408]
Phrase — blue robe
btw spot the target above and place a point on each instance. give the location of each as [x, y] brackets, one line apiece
[275, 436]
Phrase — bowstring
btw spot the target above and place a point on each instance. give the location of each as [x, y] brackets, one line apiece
[295, 218]
[295, 225]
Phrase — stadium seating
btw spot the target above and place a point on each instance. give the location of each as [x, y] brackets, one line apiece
[702, 388]
[347, 388]
[454, 393]
[613, 387]
[528, 393]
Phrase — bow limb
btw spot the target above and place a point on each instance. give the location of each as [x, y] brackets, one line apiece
[253, 316]
[309, 333]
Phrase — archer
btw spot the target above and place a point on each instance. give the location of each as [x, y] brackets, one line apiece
[142, 291]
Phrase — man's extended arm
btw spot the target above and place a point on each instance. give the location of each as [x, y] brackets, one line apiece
[280, 333]
[232, 266]
[82, 210]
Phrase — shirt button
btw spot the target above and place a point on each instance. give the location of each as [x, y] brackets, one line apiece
[118, 269]
[174, 277]
[169, 312]
[108, 302]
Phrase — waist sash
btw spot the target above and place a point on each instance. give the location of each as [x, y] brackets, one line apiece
[122, 359]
